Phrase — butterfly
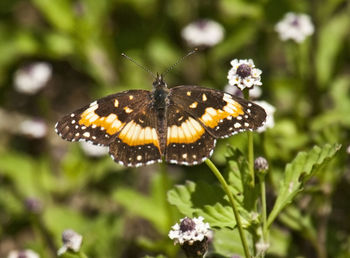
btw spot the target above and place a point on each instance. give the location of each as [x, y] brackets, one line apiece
[179, 125]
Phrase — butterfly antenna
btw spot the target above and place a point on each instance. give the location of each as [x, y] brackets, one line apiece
[139, 65]
[180, 60]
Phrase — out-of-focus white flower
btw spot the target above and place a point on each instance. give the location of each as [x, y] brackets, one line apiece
[270, 121]
[71, 241]
[35, 128]
[23, 254]
[93, 150]
[295, 26]
[31, 78]
[203, 33]
[243, 74]
[348, 149]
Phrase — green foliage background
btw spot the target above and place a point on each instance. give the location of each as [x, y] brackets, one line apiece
[125, 212]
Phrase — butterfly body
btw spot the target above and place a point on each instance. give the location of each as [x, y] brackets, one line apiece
[179, 125]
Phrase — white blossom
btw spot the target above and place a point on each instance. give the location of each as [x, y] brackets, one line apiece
[243, 74]
[31, 78]
[203, 32]
[254, 93]
[295, 27]
[23, 254]
[93, 150]
[35, 128]
[71, 241]
[270, 110]
[190, 230]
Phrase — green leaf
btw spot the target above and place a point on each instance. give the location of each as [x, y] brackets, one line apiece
[237, 39]
[294, 219]
[59, 13]
[297, 172]
[208, 201]
[227, 242]
[239, 178]
[28, 175]
[241, 8]
[335, 29]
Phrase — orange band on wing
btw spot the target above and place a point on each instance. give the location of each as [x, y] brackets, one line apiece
[133, 134]
[111, 123]
[212, 117]
[188, 132]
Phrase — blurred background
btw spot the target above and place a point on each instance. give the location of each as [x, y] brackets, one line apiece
[58, 55]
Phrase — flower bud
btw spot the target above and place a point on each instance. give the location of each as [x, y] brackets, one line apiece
[261, 165]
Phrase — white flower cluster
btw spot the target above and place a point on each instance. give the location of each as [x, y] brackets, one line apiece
[71, 241]
[31, 78]
[243, 74]
[195, 232]
[295, 26]
[203, 33]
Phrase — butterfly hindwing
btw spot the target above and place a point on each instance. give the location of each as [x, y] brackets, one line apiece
[188, 143]
[100, 121]
[138, 142]
[221, 113]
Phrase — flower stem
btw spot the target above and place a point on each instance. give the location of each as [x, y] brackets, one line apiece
[250, 149]
[263, 206]
[165, 182]
[224, 185]
[251, 158]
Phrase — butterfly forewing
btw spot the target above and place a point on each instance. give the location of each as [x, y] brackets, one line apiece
[101, 121]
[220, 113]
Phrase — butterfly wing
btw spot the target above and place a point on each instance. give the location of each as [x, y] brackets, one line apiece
[188, 143]
[100, 121]
[138, 142]
[120, 122]
[221, 114]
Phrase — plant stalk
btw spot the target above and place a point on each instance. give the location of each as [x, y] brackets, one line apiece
[250, 149]
[263, 207]
[224, 185]
[165, 183]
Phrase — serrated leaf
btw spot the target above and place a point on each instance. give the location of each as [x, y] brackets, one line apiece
[227, 242]
[208, 201]
[297, 172]
[239, 178]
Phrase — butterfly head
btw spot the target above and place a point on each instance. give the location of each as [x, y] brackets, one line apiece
[159, 82]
